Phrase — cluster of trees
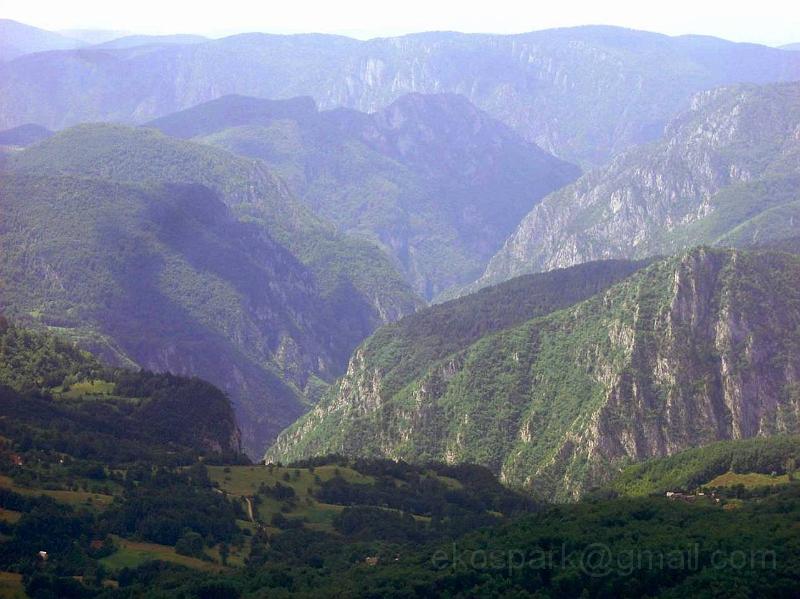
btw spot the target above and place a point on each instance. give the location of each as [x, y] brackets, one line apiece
[425, 489]
[277, 491]
[162, 505]
[33, 362]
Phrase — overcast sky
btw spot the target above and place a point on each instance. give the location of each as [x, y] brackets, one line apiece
[770, 22]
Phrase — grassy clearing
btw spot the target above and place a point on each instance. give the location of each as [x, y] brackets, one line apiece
[92, 390]
[131, 554]
[73, 498]
[9, 516]
[446, 480]
[86, 389]
[749, 480]
[244, 481]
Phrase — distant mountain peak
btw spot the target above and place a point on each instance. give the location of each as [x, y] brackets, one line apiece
[231, 111]
[24, 135]
[18, 39]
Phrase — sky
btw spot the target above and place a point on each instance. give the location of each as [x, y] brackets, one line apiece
[771, 22]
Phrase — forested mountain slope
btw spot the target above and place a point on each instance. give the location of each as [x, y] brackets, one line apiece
[176, 256]
[56, 397]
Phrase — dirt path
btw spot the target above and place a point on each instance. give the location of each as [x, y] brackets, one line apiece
[249, 508]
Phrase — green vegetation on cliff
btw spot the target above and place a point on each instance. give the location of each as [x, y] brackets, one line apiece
[404, 350]
[688, 351]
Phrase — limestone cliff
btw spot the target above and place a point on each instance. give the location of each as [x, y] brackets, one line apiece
[691, 350]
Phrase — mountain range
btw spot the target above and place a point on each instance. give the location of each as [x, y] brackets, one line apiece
[583, 94]
[445, 314]
[436, 182]
[19, 39]
[258, 240]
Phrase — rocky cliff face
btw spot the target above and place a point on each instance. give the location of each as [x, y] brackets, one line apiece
[691, 350]
[727, 172]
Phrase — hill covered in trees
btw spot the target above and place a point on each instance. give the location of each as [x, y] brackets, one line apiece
[58, 398]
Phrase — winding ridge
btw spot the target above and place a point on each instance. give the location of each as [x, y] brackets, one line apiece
[175, 256]
[436, 182]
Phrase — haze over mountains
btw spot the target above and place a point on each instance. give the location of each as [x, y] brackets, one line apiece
[299, 315]
[17, 39]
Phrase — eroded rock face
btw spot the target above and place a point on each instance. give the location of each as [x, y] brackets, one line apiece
[689, 351]
[721, 174]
